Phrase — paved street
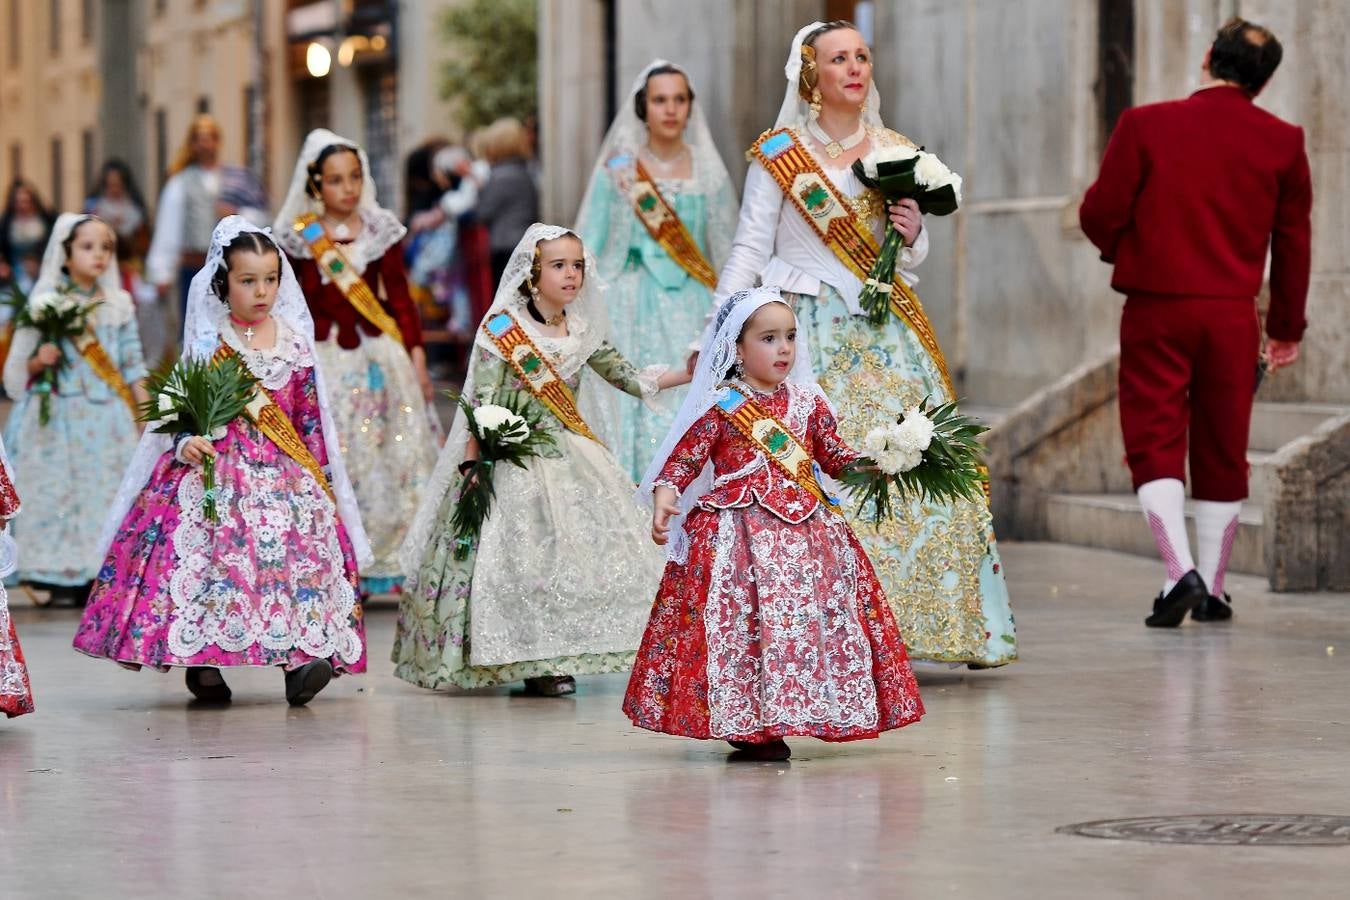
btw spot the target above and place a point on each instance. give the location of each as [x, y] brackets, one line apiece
[117, 788]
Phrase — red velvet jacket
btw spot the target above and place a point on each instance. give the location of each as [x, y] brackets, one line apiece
[330, 308]
[742, 473]
[1191, 195]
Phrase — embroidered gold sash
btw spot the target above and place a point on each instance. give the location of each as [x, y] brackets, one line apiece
[263, 411]
[539, 377]
[330, 259]
[665, 227]
[813, 195]
[87, 343]
[777, 441]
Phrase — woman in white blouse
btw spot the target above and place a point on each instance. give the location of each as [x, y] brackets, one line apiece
[938, 563]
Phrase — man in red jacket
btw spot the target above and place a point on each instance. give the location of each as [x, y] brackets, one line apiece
[1192, 193]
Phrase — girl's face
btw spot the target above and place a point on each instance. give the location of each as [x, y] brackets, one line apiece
[667, 105]
[768, 345]
[113, 186]
[562, 270]
[92, 249]
[340, 182]
[844, 65]
[253, 281]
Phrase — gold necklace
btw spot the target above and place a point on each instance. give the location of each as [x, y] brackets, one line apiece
[835, 149]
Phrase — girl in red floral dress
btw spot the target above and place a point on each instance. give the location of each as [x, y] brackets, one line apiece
[769, 621]
[16, 698]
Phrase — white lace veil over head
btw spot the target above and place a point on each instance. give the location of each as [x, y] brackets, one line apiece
[116, 309]
[796, 110]
[715, 359]
[206, 315]
[380, 230]
[587, 327]
[628, 134]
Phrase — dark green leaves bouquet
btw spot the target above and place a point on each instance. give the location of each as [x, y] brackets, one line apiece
[930, 453]
[897, 173]
[509, 433]
[200, 397]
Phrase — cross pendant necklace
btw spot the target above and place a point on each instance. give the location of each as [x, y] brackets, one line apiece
[248, 331]
[248, 334]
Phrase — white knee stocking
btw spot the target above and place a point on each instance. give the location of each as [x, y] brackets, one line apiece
[1216, 526]
[1164, 503]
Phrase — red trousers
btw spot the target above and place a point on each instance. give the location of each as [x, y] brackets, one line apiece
[1188, 372]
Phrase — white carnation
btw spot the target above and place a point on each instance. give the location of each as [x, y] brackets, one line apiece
[885, 155]
[219, 432]
[43, 303]
[955, 182]
[489, 416]
[893, 462]
[916, 430]
[931, 172]
[875, 442]
[163, 402]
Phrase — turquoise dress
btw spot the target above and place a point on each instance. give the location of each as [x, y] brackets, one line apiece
[656, 309]
[68, 470]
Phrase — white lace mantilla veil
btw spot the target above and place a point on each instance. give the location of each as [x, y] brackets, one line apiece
[380, 230]
[627, 134]
[795, 111]
[201, 336]
[116, 309]
[587, 324]
[715, 359]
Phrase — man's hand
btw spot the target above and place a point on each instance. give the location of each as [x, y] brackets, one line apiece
[1281, 353]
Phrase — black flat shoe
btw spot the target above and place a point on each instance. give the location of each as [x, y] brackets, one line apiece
[207, 684]
[771, 751]
[303, 683]
[1185, 595]
[551, 685]
[1214, 609]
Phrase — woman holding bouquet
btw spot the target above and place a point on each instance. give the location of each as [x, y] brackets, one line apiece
[658, 215]
[346, 252]
[269, 579]
[557, 582]
[938, 562]
[75, 369]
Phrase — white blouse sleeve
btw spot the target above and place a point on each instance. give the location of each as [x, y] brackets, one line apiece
[161, 262]
[761, 205]
[911, 256]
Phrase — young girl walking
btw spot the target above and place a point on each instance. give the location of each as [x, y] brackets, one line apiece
[16, 697]
[769, 620]
[73, 428]
[556, 586]
[273, 582]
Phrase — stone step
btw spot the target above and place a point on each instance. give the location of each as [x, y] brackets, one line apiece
[1262, 476]
[1276, 424]
[1115, 522]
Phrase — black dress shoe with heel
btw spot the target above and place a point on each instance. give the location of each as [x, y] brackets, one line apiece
[1214, 609]
[1170, 609]
[303, 683]
[207, 684]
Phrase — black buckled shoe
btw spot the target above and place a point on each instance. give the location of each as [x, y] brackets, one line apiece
[303, 683]
[207, 684]
[1170, 610]
[769, 751]
[1214, 609]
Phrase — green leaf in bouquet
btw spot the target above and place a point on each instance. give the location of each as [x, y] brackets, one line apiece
[937, 202]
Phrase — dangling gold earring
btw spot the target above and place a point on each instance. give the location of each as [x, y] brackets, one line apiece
[815, 102]
[316, 203]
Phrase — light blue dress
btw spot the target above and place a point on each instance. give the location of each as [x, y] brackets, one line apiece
[68, 471]
[656, 309]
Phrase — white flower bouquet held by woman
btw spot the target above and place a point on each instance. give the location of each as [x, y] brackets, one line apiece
[60, 315]
[509, 434]
[897, 173]
[931, 453]
[199, 397]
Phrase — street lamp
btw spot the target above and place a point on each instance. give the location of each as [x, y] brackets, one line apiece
[317, 59]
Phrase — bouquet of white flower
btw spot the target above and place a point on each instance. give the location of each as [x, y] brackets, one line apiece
[929, 453]
[509, 433]
[199, 397]
[897, 173]
[60, 315]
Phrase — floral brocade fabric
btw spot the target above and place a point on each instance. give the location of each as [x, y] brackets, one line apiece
[938, 563]
[775, 625]
[16, 697]
[273, 583]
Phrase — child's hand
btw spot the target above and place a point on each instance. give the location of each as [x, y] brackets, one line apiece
[49, 355]
[196, 449]
[663, 508]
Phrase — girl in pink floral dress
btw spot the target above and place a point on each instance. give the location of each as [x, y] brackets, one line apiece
[274, 582]
[16, 697]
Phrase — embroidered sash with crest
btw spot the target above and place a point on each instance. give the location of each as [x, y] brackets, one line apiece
[540, 378]
[263, 411]
[88, 345]
[665, 227]
[813, 195]
[330, 259]
[777, 441]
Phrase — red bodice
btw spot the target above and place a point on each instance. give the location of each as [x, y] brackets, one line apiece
[330, 308]
[742, 473]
